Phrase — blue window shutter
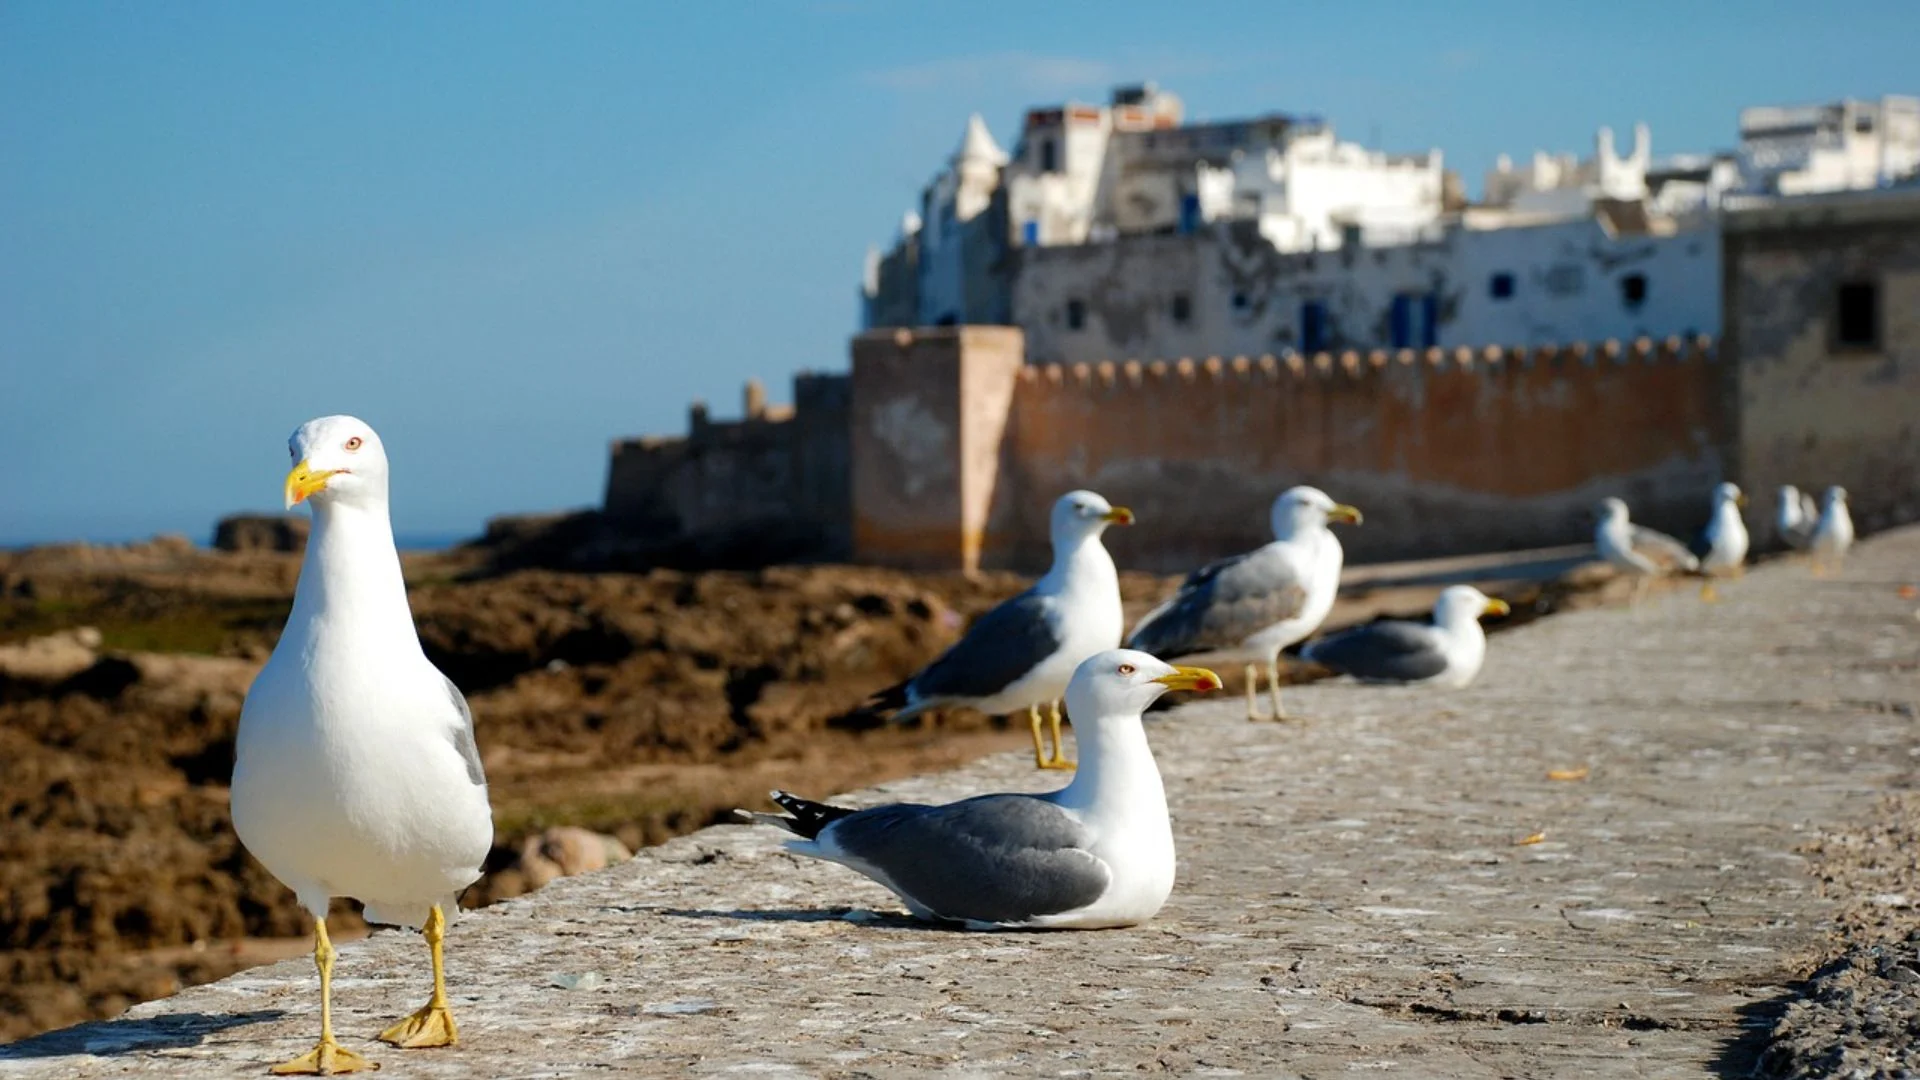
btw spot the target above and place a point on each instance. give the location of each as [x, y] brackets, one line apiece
[1429, 320]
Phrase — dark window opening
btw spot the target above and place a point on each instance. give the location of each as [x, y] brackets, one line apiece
[1313, 327]
[1857, 325]
[1189, 213]
[1863, 123]
[1414, 321]
[1048, 156]
[1182, 308]
[949, 319]
[1633, 289]
[1076, 315]
[1501, 286]
[1240, 301]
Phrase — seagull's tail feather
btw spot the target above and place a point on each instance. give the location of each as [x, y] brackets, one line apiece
[898, 699]
[803, 817]
[891, 699]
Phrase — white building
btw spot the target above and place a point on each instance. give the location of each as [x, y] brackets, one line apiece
[1119, 231]
[961, 232]
[1225, 290]
[1089, 173]
[1559, 185]
[1844, 145]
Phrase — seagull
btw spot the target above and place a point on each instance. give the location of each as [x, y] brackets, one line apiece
[1721, 547]
[1640, 552]
[1251, 606]
[1096, 853]
[1833, 534]
[1795, 518]
[1021, 654]
[1446, 651]
[355, 769]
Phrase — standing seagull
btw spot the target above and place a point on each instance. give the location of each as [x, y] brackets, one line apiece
[1251, 606]
[1795, 517]
[355, 769]
[1446, 651]
[1021, 654]
[1721, 547]
[1833, 535]
[1097, 853]
[1640, 552]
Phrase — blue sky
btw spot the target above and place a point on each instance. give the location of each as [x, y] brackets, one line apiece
[507, 233]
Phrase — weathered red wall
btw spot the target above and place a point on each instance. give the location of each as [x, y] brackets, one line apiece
[1445, 452]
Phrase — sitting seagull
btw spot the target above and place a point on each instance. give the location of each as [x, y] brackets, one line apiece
[1721, 547]
[1795, 517]
[1445, 651]
[1637, 551]
[355, 770]
[1021, 654]
[1097, 853]
[1251, 606]
[1833, 534]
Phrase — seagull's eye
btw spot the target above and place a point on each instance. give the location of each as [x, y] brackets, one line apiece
[353, 443]
[1126, 669]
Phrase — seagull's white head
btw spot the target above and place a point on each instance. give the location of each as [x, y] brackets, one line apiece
[1301, 509]
[1464, 603]
[1789, 495]
[1836, 495]
[1611, 511]
[337, 460]
[1725, 492]
[1124, 682]
[1079, 514]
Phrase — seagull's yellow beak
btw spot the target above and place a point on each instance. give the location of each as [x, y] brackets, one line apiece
[1190, 678]
[1341, 512]
[1740, 499]
[303, 482]
[1119, 515]
[1497, 607]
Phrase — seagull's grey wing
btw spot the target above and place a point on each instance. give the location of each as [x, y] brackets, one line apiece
[1663, 549]
[991, 859]
[463, 736]
[1223, 604]
[999, 649]
[1390, 650]
[1702, 545]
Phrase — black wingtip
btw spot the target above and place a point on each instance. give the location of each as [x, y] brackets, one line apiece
[891, 699]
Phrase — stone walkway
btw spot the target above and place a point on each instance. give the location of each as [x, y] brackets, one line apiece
[1355, 895]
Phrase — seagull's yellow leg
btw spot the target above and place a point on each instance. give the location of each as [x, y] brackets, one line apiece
[1059, 758]
[1253, 687]
[433, 1024]
[329, 1057]
[1707, 592]
[1273, 687]
[1039, 739]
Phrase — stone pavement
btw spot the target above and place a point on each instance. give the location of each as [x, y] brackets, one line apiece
[1354, 893]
